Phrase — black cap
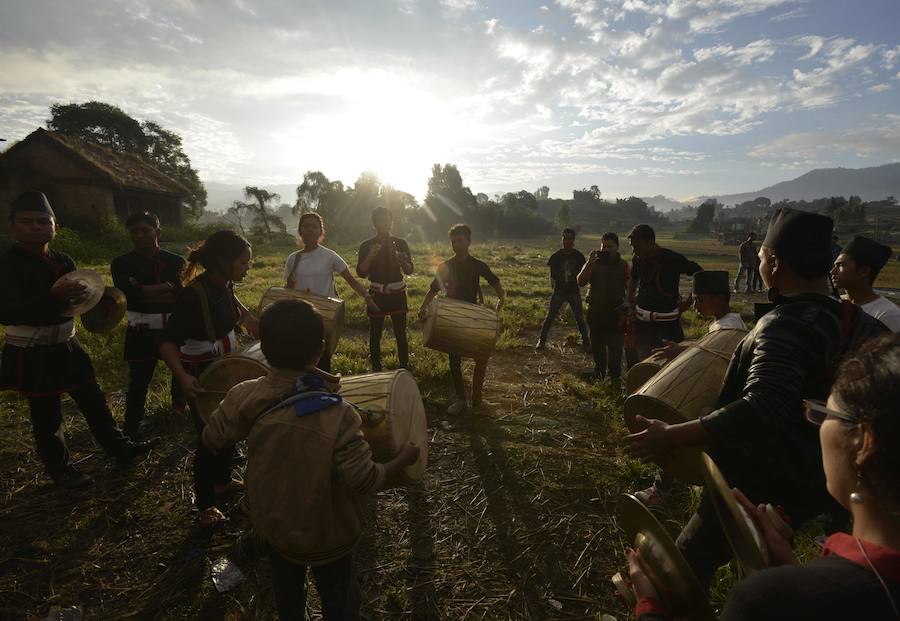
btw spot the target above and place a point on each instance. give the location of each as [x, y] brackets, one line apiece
[711, 281]
[802, 239]
[31, 201]
[866, 252]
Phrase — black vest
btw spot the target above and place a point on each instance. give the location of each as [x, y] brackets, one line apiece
[608, 285]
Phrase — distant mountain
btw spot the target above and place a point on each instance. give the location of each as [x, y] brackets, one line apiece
[663, 203]
[219, 196]
[870, 184]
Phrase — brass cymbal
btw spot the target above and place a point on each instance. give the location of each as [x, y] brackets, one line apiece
[108, 312]
[667, 569]
[94, 287]
[745, 539]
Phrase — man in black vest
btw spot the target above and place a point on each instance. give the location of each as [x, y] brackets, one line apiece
[653, 292]
[758, 435]
[608, 274]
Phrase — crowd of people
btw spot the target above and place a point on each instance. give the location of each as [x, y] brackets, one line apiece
[801, 361]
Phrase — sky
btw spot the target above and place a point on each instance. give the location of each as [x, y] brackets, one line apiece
[641, 97]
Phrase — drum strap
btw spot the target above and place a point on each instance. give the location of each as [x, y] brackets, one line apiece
[197, 286]
[289, 283]
[307, 397]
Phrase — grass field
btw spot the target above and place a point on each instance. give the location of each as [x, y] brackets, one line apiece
[513, 520]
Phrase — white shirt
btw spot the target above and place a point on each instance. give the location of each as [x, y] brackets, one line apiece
[884, 311]
[314, 270]
[731, 321]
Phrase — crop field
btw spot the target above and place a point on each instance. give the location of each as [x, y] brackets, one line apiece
[514, 519]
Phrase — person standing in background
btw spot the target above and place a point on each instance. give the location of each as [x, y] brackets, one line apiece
[747, 267]
[855, 271]
[565, 264]
[608, 275]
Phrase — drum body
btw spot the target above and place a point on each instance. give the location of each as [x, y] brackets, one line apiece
[389, 404]
[331, 309]
[640, 374]
[461, 328]
[685, 389]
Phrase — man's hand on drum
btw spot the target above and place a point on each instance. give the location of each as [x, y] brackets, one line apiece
[190, 385]
[659, 437]
[669, 350]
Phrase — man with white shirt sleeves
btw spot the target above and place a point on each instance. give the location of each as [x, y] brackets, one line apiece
[713, 299]
[855, 270]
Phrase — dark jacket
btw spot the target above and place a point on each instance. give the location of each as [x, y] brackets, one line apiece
[760, 438]
[608, 285]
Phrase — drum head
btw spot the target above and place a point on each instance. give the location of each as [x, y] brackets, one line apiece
[667, 569]
[220, 377]
[683, 463]
[640, 374]
[749, 547]
[408, 420]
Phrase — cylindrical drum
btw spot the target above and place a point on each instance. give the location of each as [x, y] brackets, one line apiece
[685, 389]
[331, 309]
[389, 404]
[461, 328]
[640, 374]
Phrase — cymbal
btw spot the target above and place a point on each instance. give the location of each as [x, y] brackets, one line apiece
[667, 569]
[745, 539]
[94, 288]
[108, 312]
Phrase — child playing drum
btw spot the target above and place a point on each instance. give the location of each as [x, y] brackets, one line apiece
[460, 278]
[307, 463]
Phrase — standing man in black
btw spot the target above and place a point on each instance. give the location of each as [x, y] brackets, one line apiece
[384, 260]
[758, 435]
[653, 291]
[565, 264]
[42, 358]
[747, 251]
[150, 279]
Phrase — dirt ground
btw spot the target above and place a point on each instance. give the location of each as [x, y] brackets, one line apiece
[513, 520]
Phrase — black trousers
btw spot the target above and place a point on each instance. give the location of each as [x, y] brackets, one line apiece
[140, 374]
[210, 469]
[49, 436]
[376, 329]
[649, 335]
[607, 340]
[336, 582]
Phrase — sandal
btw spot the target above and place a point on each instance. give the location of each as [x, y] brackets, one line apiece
[210, 518]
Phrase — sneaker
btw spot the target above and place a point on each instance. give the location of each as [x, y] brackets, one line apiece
[457, 406]
[133, 449]
[70, 478]
[540, 345]
[652, 497]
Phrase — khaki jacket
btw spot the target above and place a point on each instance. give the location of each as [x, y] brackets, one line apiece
[305, 475]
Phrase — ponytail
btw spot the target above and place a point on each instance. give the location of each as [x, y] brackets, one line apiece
[215, 254]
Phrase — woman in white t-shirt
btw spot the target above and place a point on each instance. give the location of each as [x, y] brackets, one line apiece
[312, 268]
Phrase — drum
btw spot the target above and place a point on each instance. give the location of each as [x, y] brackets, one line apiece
[461, 328]
[331, 309]
[640, 374]
[685, 389]
[389, 404]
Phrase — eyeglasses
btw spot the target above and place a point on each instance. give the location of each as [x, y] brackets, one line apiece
[816, 412]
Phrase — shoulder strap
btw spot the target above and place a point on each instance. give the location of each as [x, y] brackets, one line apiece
[197, 286]
[293, 265]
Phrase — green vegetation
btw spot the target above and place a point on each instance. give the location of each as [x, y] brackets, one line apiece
[515, 516]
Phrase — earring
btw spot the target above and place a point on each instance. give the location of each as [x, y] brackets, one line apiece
[856, 497]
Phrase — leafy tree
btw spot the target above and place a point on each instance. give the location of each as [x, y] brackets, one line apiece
[563, 216]
[706, 213]
[318, 193]
[110, 126]
[264, 219]
[448, 200]
[542, 193]
[239, 213]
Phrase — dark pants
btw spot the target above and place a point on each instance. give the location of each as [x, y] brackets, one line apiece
[557, 300]
[747, 270]
[757, 284]
[210, 469]
[649, 335]
[456, 376]
[607, 340]
[336, 582]
[46, 424]
[140, 374]
[376, 328]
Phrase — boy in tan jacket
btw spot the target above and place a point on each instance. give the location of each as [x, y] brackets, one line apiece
[307, 464]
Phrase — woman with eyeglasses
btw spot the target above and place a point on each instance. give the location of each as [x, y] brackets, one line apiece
[858, 575]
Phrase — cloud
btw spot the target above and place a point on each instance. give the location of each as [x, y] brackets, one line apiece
[792, 14]
[877, 139]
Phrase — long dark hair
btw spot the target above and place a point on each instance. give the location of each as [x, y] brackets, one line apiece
[868, 387]
[215, 254]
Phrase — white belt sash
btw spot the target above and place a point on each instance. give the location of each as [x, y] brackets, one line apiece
[26, 336]
[151, 321]
[390, 287]
[645, 315]
[194, 349]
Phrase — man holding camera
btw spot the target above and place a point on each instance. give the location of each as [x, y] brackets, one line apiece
[608, 275]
